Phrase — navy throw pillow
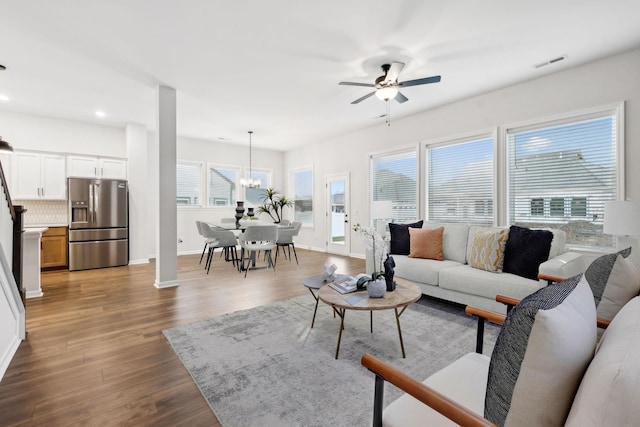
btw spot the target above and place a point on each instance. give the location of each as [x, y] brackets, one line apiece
[525, 250]
[400, 237]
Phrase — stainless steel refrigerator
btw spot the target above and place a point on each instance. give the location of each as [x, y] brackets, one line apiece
[98, 223]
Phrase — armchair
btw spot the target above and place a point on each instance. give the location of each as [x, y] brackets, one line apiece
[522, 383]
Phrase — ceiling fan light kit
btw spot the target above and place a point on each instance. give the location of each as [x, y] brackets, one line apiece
[386, 93]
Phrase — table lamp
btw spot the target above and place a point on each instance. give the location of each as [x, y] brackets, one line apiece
[381, 212]
[622, 219]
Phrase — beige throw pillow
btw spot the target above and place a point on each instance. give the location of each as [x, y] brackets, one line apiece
[623, 284]
[487, 252]
[425, 243]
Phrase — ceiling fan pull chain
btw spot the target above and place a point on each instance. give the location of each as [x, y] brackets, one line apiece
[388, 120]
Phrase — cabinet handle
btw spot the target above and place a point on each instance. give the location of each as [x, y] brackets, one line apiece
[101, 171]
[42, 191]
[38, 191]
[95, 171]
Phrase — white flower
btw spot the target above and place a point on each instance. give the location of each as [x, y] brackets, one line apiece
[377, 244]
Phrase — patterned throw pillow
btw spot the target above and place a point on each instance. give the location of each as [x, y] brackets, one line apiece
[541, 353]
[487, 252]
[598, 272]
[614, 280]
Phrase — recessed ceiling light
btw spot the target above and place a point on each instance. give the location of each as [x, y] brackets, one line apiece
[4, 97]
[101, 114]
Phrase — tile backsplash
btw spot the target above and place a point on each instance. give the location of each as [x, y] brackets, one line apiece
[44, 212]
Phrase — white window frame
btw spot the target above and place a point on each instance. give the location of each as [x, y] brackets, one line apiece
[616, 109]
[239, 191]
[292, 188]
[201, 165]
[403, 150]
[492, 134]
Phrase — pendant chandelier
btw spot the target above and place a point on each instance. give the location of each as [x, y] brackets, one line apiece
[250, 182]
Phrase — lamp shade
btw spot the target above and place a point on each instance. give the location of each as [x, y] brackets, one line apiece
[622, 218]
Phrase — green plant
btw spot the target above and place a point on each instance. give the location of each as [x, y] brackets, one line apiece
[273, 204]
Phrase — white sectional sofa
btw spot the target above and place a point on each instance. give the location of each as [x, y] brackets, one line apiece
[454, 280]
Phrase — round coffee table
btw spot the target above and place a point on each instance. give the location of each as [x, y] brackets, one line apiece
[314, 283]
[405, 293]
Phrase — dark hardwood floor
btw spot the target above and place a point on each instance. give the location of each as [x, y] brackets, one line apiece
[95, 353]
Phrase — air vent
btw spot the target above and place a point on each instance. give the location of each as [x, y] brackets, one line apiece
[551, 61]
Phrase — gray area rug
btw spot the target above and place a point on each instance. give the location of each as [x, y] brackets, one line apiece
[266, 366]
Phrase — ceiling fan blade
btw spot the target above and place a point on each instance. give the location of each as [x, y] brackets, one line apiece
[416, 82]
[356, 84]
[394, 72]
[363, 98]
[401, 98]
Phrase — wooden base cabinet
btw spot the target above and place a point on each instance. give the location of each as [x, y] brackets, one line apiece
[54, 248]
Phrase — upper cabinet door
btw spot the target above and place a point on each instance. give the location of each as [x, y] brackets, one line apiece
[54, 177]
[39, 176]
[82, 167]
[112, 168]
[26, 175]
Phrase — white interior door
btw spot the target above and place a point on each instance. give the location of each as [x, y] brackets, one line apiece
[338, 218]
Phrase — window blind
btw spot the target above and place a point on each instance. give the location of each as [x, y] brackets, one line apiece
[303, 196]
[460, 182]
[560, 176]
[222, 184]
[394, 177]
[188, 184]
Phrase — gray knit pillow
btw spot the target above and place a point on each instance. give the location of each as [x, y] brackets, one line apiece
[545, 344]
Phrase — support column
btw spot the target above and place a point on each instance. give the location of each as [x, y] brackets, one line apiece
[166, 212]
[139, 194]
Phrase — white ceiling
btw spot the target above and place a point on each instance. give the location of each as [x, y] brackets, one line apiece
[274, 66]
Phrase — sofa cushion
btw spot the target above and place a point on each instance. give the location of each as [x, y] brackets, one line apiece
[399, 243]
[421, 270]
[598, 272]
[473, 281]
[487, 250]
[542, 351]
[426, 243]
[559, 242]
[608, 393]
[526, 249]
[454, 240]
[463, 381]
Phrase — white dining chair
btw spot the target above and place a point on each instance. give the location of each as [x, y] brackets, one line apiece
[257, 238]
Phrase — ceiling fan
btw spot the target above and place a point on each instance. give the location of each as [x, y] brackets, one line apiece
[387, 85]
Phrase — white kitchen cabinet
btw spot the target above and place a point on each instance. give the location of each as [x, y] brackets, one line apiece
[39, 176]
[94, 167]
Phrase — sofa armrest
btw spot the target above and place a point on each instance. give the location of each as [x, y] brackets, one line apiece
[564, 265]
[425, 394]
[549, 278]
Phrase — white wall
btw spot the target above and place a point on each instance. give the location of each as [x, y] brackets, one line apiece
[597, 84]
[27, 132]
[221, 154]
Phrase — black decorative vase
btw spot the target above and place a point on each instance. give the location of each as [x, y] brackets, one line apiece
[250, 213]
[239, 213]
[389, 265]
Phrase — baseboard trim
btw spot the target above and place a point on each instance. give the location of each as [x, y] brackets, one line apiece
[139, 261]
[167, 284]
